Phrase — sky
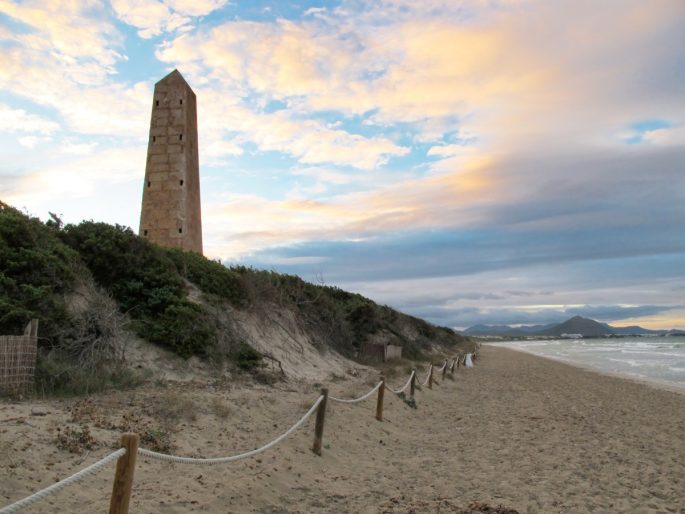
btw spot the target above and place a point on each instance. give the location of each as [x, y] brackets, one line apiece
[477, 161]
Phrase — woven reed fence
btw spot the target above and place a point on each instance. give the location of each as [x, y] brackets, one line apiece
[18, 361]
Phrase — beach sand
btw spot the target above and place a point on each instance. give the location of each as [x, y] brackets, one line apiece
[517, 430]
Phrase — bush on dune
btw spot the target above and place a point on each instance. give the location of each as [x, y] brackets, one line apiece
[147, 287]
[145, 281]
[36, 271]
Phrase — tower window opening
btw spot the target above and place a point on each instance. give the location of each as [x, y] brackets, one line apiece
[154, 138]
[180, 102]
[180, 182]
[145, 232]
[180, 231]
[148, 183]
[156, 103]
[180, 137]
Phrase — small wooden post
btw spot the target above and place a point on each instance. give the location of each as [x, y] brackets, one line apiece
[31, 328]
[444, 370]
[458, 360]
[379, 402]
[320, 418]
[452, 367]
[412, 384]
[430, 377]
[123, 479]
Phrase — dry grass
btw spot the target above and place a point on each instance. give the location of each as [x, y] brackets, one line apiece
[171, 407]
[219, 408]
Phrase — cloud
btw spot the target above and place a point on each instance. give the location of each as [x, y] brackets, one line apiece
[64, 59]
[85, 109]
[31, 141]
[592, 206]
[576, 288]
[153, 17]
[666, 136]
[219, 54]
[18, 120]
[310, 141]
[196, 7]
[150, 16]
[74, 33]
[73, 178]
[515, 73]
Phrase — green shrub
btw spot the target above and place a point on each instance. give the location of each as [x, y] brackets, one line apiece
[36, 270]
[185, 328]
[211, 277]
[363, 317]
[139, 274]
[247, 358]
[145, 281]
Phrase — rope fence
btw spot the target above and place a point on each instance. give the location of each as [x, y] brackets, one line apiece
[76, 477]
[232, 458]
[404, 387]
[126, 455]
[360, 399]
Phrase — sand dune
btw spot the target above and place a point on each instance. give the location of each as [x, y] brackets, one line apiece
[517, 430]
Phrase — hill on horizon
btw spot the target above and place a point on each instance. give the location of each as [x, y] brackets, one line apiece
[579, 325]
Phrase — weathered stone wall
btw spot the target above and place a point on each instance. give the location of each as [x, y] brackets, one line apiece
[171, 210]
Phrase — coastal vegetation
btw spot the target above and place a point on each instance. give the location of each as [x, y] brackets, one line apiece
[94, 285]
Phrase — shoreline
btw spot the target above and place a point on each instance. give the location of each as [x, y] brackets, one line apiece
[663, 385]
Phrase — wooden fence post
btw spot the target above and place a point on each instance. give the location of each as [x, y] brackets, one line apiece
[379, 402]
[320, 419]
[444, 370]
[123, 479]
[458, 360]
[430, 377]
[412, 386]
[452, 367]
[31, 329]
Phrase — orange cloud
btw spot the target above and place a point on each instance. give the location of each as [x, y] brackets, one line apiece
[436, 201]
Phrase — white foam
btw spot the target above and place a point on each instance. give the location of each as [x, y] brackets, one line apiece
[655, 360]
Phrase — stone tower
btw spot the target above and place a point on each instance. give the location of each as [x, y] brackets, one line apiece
[170, 215]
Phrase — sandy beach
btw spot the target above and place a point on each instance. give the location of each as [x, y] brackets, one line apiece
[528, 433]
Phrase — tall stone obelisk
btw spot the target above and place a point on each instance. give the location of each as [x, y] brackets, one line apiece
[171, 212]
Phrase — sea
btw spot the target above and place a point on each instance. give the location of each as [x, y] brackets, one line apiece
[660, 360]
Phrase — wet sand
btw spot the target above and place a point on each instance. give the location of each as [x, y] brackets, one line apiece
[518, 430]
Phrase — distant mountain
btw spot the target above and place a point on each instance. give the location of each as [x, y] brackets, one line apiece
[579, 325]
[634, 330]
[576, 325]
